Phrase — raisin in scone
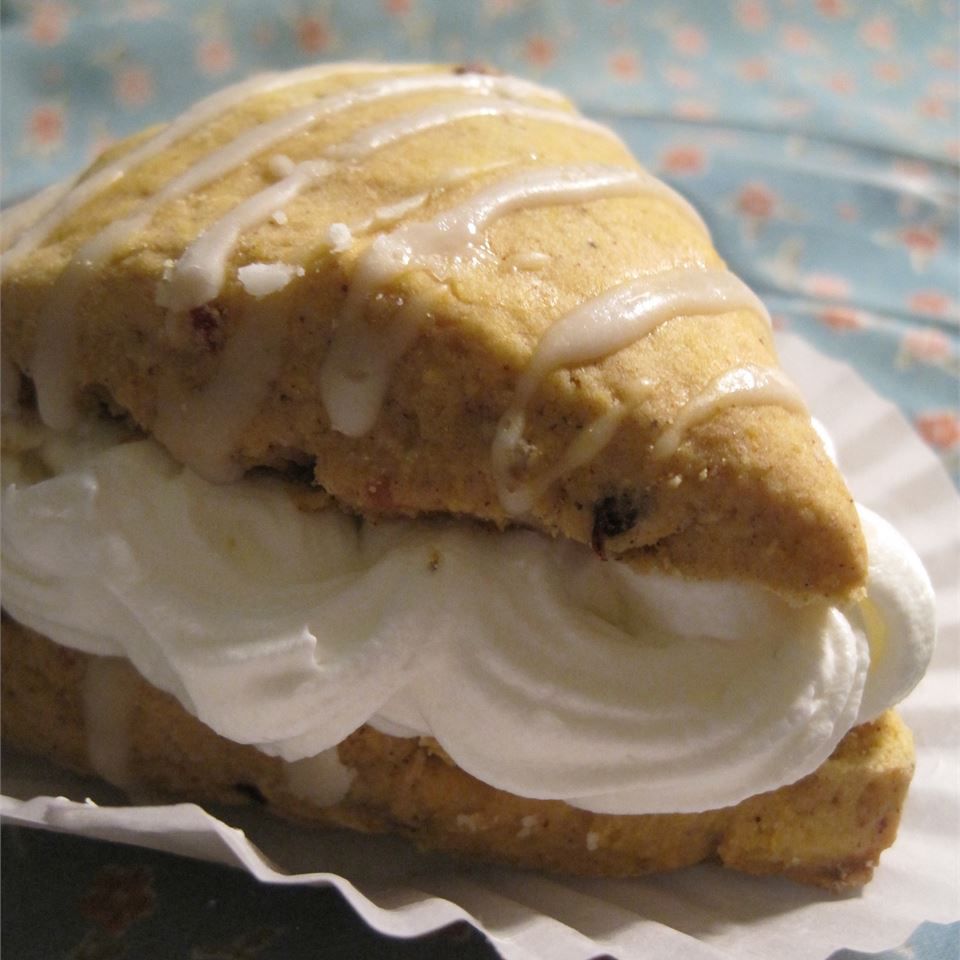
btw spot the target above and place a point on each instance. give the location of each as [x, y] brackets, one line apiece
[397, 428]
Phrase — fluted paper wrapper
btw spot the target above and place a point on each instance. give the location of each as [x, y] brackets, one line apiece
[700, 912]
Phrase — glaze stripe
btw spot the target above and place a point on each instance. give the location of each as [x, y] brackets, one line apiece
[200, 273]
[600, 328]
[356, 370]
[750, 385]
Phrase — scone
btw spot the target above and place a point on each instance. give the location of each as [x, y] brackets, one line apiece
[420, 453]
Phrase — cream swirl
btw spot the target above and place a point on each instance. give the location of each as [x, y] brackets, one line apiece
[539, 668]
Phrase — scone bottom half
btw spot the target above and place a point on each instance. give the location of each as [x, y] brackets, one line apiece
[827, 830]
[432, 291]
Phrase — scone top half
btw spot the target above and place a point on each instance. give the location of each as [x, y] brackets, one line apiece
[433, 292]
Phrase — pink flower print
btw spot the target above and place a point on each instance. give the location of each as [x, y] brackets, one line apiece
[833, 9]
[925, 344]
[946, 58]
[841, 318]
[313, 34]
[794, 107]
[692, 109]
[756, 201]
[625, 64]
[841, 82]
[847, 212]
[797, 39]
[45, 128]
[133, 86]
[888, 71]
[934, 303]
[878, 33]
[539, 50]
[689, 40]
[682, 160]
[945, 89]
[214, 56]
[909, 167]
[48, 23]
[827, 286]
[145, 10]
[922, 243]
[933, 107]
[680, 77]
[398, 7]
[752, 15]
[754, 205]
[940, 428]
[753, 69]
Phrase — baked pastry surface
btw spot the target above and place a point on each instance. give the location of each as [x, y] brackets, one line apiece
[438, 268]
[746, 492]
[828, 829]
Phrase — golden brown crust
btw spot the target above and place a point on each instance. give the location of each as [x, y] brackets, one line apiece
[828, 829]
[749, 493]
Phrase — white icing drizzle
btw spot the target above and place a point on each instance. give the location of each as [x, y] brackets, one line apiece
[383, 134]
[600, 328]
[54, 355]
[354, 376]
[626, 313]
[749, 385]
[19, 217]
[199, 274]
[393, 212]
[384, 216]
[358, 365]
[52, 363]
[528, 261]
[108, 718]
[280, 165]
[322, 779]
[508, 445]
[200, 427]
[262, 279]
[340, 237]
[390, 214]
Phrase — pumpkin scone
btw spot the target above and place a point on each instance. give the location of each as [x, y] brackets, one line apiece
[412, 453]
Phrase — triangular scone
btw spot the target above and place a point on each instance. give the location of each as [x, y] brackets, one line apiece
[440, 292]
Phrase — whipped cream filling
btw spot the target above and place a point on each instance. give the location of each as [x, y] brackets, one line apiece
[539, 668]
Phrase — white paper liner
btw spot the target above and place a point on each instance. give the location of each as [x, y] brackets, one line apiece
[701, 912]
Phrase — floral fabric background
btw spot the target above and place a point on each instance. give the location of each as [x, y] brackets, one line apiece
[820, 138]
